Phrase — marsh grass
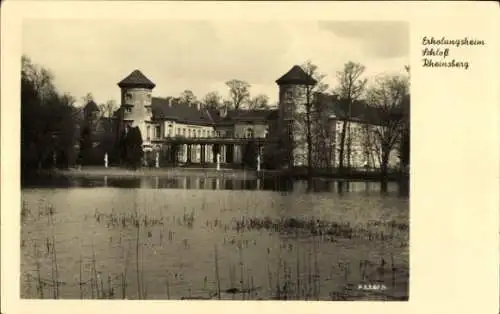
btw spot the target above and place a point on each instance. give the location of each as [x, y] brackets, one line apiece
[293, 270]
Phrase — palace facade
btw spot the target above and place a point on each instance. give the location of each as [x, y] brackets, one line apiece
[179, 133]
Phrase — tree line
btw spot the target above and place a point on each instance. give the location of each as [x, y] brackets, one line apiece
[388, 97]
[52, 125]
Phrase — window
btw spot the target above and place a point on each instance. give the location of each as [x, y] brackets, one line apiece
[148, 133]
[128, 109]
[199, 133]
[183, 131]
[189, 132]
[148, 110]
[299, 92]
[249, 133]
[158, 131]
[177, 131]
[128, 96]
[204, 133]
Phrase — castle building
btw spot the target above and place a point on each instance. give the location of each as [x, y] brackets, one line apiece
[176, 132]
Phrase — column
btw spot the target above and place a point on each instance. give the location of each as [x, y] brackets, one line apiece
[189, 154]
[173, 154]
[259, 158]
[230, 153]
[208, 150]
[203, 154]
[237, 153]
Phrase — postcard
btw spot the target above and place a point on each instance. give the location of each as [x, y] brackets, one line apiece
[250, 156]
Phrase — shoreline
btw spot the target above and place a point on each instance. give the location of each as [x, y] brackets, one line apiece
[209, 173]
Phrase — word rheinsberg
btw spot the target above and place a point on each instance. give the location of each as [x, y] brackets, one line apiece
[429, 63]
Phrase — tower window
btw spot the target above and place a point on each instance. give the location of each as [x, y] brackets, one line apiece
[128, 110]
[128, 96]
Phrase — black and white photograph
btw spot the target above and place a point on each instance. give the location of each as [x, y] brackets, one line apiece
[215, 160]
[190, 157]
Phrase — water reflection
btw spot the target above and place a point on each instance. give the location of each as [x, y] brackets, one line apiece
[219, 183]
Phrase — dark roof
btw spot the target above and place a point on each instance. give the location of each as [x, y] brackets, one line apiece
[91, 106]
[136, 79]
[296, 75]
[243, 115]
[250, 115]
[360, 111]
[174, 109]
[165, 108]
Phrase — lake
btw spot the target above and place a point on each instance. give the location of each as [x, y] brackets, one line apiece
[213, 238]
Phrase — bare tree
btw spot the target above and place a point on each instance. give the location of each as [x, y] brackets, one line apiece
[389, 95]
[313, 70]
[239, 92]
[188, 97]
[260, 101]
[404, 148]
[212, 100]
[319, 145]
[87, 98]
[351, 87]
[108, 108]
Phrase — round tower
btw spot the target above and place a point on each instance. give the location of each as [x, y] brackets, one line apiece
[136, 101]
[292, 104]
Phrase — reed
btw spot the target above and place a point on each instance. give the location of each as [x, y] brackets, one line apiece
[167, 284]
[217, 271]
[139, 289]
[40, 286]
[242, 279]
[317, 282]
[278, 286]
[297, 267]
[80, 284]
[269, 274]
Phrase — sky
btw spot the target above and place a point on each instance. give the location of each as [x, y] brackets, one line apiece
[94, 55]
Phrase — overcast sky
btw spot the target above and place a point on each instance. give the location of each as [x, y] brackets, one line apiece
[94, 55]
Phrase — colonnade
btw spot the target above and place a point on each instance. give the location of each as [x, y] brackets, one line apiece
[207, 153]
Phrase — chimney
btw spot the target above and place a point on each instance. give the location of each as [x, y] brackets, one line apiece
[223, 111]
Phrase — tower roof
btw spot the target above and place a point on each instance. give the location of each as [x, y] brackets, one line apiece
[296, 75]
[136, 79]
